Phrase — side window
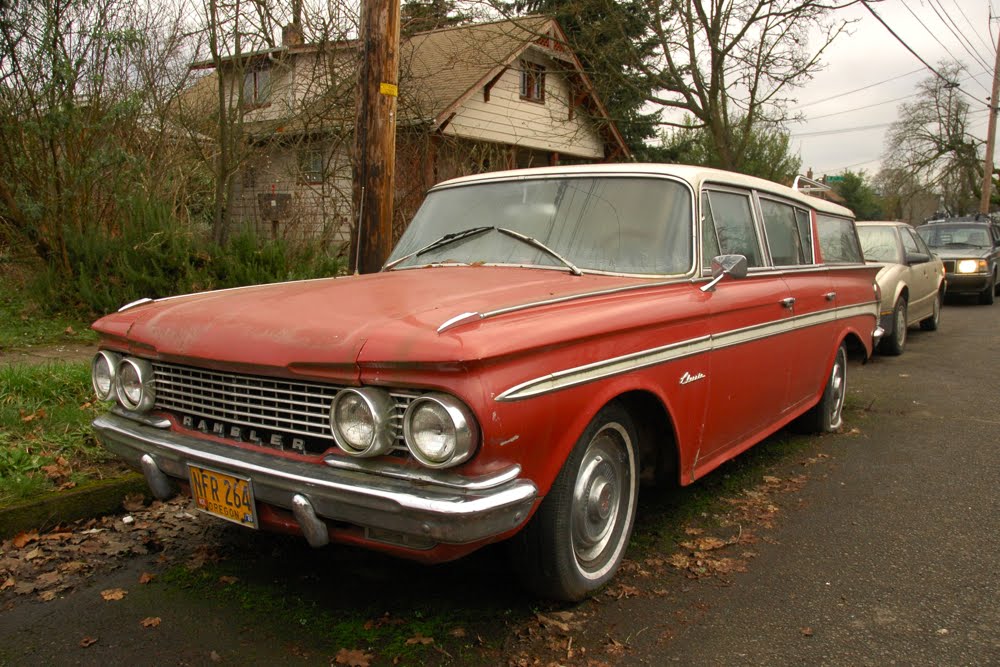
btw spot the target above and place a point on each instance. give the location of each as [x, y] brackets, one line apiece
[909, 245]
[709, 241]
[838, 240]
[804, 221]
[920, 242]
[782, 233]
[733, 219]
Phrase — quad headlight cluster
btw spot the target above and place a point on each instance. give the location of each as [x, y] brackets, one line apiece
[439, 430]
[127, 380]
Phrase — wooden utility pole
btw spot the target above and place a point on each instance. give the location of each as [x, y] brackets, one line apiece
[375, 134]
[991, 136]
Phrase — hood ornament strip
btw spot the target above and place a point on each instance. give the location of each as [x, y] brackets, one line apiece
[460, 319]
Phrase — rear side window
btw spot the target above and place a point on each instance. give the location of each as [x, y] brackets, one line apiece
[731, 216]
[782, 233]
[838, 240]
[804, 221]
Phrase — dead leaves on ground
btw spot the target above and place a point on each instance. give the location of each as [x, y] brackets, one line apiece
[47, 565]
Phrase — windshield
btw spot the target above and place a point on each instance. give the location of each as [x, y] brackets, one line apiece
[878, 244]
[939, 235]
[635, 225]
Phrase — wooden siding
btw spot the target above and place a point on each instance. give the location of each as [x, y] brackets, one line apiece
[507, 119]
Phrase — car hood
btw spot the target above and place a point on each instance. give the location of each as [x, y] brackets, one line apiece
[391, 316]
[961, 253]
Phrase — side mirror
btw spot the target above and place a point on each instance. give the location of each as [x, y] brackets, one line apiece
[917, 258]
[726, 265]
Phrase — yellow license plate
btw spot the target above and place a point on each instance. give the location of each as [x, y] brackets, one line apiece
[225, 496]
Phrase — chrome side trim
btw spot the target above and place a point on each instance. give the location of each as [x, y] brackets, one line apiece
[459, 319]
[432, 512]
[435, 477]
[133, 304]
[660, 355]
[148, 420]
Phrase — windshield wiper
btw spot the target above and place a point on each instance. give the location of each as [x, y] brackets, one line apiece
[535, 243]
[443, 241]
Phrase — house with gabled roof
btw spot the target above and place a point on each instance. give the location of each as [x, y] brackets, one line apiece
[473, 98]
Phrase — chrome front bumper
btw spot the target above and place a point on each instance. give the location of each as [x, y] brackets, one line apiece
[381, 498]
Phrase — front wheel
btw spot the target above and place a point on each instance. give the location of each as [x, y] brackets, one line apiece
[828, 415]
[987, 296]
[893, 345]
[576, 541]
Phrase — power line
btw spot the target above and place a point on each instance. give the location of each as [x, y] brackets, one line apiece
[857, 90]
[843, 130]
[915, 54]
[990, 48]
[962, 39]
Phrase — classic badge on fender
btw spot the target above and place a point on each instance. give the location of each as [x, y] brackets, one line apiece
[687, 378]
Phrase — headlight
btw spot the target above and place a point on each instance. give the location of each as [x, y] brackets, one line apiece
[971, 266]
[440, 431]
[102, 374]
[134, 384]
[360, 420]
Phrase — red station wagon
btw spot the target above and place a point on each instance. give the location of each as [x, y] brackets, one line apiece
[539, 343]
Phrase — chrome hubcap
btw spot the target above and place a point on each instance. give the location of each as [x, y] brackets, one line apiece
[603, 499]
[838, 380]
[901, 325]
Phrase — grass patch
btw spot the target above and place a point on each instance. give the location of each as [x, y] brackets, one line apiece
[23, 323]
[46, 441]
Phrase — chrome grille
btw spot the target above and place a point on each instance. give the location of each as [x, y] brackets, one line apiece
[295, 407]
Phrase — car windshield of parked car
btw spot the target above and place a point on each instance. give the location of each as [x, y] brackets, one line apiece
[634, 225]
[879, 244]
[944, 235]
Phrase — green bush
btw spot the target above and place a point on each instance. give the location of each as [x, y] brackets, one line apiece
[153, 255]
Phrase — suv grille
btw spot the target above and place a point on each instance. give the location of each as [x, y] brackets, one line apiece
[260, 405]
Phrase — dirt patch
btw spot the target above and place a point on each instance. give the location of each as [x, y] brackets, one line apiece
[46, 354]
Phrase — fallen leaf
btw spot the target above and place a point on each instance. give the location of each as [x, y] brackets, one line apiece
[551, 622]
[704, 544]
[146, 577]
[353, 658]
[457, 632]
[113, 594]
[33, 554]
[22, 540]
[807, 632]
[771, 480]
[69, 331]
[134, 502]
[693, 531]
[9, 582]
[150, 622]
[419, 639]
[87, 641]
[214, 657]
[227, 580]
[47, 596]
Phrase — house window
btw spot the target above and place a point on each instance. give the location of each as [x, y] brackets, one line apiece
[257, 86]
[532, 82]
[312, 165]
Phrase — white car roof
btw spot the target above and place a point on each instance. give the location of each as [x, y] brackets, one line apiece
[693, 175]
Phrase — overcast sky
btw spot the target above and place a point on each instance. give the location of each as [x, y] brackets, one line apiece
[829, 144]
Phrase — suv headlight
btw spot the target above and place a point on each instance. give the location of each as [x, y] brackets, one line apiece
[971, 266]
[103, 370]
[360, 420]
[134, 384]
[440, 430]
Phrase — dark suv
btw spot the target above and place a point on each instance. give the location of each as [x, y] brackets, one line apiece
[970, 250]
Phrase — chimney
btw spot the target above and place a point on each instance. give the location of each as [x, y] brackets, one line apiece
[809, 173]
[291, 35]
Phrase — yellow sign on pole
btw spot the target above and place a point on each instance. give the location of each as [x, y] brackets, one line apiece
[390, 89]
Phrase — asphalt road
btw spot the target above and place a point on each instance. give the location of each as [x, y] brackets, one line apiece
[892, 558]
[885, 556]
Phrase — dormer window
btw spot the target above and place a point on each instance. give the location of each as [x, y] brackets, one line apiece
[532, 81]
[257, 86]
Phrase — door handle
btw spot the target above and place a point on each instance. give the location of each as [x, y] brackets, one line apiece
[788, 302]
[830, 296]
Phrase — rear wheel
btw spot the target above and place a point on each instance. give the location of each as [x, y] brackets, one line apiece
[576, 541]
[893, 344]
[932, 322]
[828, 415]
